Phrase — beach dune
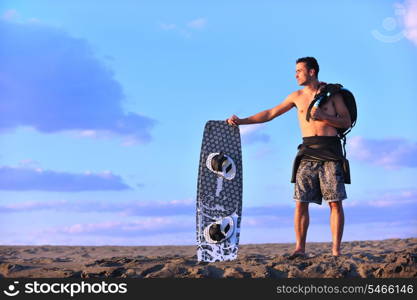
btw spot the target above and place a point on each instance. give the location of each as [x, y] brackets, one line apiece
[367, 259]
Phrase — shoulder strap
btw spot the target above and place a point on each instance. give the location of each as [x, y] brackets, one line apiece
[316, 102]
[325, 92]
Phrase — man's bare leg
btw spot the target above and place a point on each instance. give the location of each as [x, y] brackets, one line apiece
[301, 222]
[337, 221]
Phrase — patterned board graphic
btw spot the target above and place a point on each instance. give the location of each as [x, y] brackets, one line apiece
[219, 197]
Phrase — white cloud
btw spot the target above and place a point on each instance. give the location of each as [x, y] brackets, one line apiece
[29, 178]
[395, 199]
[139, 227]
[165, 26]
[32, 205]
[125, 208]
[184, 29]
[199, 23]
[66, 89]
[380, 202]
[389, 153]
[410, 20]
[88, 133]
[253, 134]
[159, 223]
[269, 234]
[248, 129]
[28, 163]
[10, 14]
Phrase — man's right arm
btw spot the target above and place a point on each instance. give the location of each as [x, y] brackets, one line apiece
[266, 115]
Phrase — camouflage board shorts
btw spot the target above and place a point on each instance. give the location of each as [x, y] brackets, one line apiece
[319, 179]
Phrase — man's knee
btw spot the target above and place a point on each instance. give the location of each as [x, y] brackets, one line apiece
[336, 205]
[301, 206]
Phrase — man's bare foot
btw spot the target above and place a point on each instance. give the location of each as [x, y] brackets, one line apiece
[296, 254]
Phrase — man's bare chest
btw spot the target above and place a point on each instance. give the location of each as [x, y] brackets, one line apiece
[302, 104]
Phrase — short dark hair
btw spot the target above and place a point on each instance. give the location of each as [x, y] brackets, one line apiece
[311, 63]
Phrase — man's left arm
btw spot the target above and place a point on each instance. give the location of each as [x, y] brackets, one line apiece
[342, 118]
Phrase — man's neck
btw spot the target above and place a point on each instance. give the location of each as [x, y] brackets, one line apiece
[312, 86]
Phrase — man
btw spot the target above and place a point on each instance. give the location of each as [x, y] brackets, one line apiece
[315, 176]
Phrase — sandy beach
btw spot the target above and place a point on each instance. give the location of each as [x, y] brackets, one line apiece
[367, 259]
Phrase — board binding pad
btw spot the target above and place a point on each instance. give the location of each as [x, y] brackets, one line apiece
[219, 193]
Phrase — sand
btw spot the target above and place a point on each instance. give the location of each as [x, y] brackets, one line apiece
[366, 259]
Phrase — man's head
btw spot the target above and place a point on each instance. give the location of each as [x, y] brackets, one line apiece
[306, 70]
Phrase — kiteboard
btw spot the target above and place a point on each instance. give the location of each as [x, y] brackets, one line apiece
[219, 193]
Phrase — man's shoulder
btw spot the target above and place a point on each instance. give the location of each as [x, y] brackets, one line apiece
[294, 96]
[297, 93]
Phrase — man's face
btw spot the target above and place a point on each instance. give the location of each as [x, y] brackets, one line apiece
[302, 74]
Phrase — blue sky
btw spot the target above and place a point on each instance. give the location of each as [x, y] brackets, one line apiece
[103, 107]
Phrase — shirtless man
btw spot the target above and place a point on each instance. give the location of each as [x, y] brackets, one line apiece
[315, 180]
